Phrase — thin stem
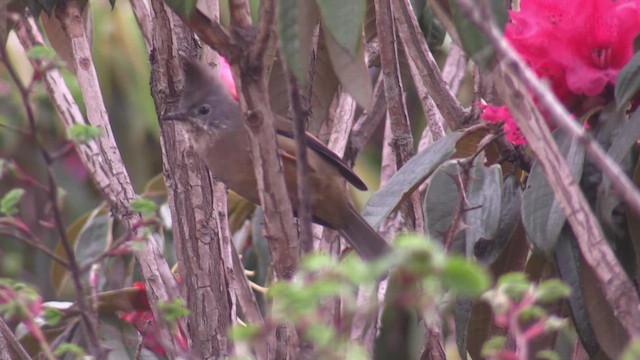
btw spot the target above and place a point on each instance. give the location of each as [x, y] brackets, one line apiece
[302, 163]
[10, 339]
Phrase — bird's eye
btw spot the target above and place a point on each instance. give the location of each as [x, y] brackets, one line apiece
[204, 109]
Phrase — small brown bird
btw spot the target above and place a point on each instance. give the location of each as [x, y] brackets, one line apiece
[219, 137]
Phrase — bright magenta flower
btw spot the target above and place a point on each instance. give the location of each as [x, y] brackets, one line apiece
[145, 323]
[579, 47]
[497, 114]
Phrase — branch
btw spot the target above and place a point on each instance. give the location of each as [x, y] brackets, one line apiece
[197, 202]
[401, 138]
[102, 158]
[300, 120]
[418, 53]
[518, 85]
[254, 101]
[8, 338]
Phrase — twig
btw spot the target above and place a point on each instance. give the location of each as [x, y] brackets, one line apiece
[10, 339]
[143, 17]
[40, 246]
[302, 163]
[519, 84]
[240, 13]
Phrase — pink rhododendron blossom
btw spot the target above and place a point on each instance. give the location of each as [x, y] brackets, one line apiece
[227, 77]
[497, 114]
[579, 47]
[145, 323]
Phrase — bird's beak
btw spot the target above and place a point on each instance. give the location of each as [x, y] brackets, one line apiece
[179, 115]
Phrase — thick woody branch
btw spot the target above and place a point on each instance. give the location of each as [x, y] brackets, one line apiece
[101, 156]
[240, 13]
[518, 84]
[197, 202]
[401, 138]
[418, 52]
[254, 101]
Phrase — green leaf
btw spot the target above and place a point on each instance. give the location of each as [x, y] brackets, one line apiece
[344, 20]
[289, 41]
[83, 133]
[183, 8]
[89, 236]
[474, 42]
[321, 335]
[531, 313]
[632, 351]
[567, 259]
[316, 261]
[9, 202]
[551, 290]
[70, 348]
[431, 27]
[464, 277]
[41, 52]
[441, 202]
[542, 215]
[624, 137]
[488, 251]
[461, 317]
[628, 81]
[611, 335]
[493, 346]
[483, 197]
[408, 178]
[144, 206]
[351, 70]
[174, 310]
[548, 355]
[52, 316]
[244, 332]
[324, 87]
[514, 284]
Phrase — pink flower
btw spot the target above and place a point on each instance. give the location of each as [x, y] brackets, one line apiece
[145, 323]
[579, 46]
[227, 77]
[498, 114]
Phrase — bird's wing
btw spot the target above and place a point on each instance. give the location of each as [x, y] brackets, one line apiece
[284, 129]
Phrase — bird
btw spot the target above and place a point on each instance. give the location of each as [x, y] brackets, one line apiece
[214, 125]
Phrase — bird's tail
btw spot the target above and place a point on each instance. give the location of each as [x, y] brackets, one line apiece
[362, 237]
